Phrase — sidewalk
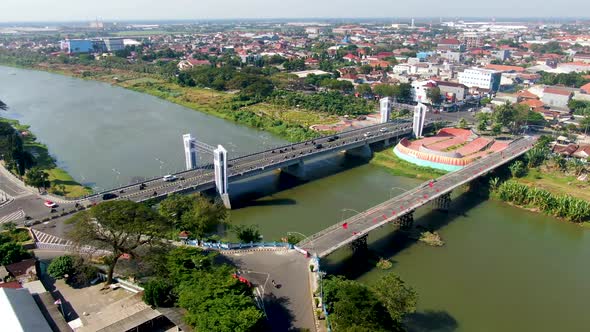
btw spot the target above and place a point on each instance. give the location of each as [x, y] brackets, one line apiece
[9, 177]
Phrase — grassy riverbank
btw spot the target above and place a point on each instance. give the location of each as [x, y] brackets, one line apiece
[398, 167]
[61, 182]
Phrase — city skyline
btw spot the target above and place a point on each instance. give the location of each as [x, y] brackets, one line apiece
[71, 10]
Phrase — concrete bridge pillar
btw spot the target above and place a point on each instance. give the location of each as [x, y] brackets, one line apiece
[362, 152]
[407, 220]
[359, 245]
[221, 183]
[443, 202]
[296, 170]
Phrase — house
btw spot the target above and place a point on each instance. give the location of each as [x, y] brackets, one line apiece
[190, 63]
[505, 69]
[585, 88]
[533, 104]
[556, 97]
[19, 312]
[565, 150]
[24, 270]
[452, 91]
[450, 45]
[582, 152]
[582, 57]
[351, 58]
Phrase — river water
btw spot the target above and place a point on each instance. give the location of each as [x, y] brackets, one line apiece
[502, 268]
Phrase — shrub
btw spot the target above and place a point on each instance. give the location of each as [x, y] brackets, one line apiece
[158, 292]
[61, 266]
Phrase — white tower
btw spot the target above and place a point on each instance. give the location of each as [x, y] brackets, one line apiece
[419, 117]
[413, 26]
[220, 164]
[385, 108]
[190, 151]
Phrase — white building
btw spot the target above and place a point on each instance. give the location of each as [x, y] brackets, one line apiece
[481, 78]
[19, 312]
[420, 90]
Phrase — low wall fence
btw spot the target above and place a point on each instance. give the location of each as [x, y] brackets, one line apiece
[238, 246]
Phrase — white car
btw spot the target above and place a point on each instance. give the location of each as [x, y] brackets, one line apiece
[50, 204]
[169, 178]
[383, 130]
[368, 134]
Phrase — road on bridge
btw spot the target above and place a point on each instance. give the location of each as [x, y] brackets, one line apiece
[329, 240]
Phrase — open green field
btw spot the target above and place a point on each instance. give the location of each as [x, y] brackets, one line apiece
[398, 167]
[557, 183]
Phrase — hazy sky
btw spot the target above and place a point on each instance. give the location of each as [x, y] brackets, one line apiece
[83, 10]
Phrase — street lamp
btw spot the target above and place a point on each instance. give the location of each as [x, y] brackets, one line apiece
[392, 188]
[345, 210]
[117, 177]
[161, 164]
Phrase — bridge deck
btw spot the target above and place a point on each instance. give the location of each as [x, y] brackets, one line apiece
[254, 164]
[336, 236]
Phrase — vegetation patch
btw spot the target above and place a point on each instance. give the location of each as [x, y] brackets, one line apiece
[399, 167]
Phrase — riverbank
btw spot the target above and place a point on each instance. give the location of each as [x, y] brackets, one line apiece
[290, 124]
[62, 183]
[398, 167]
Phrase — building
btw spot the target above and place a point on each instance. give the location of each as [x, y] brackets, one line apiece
[501, 55]
[582, 57]
[77, 46]
[420, 90]
[452, 92]
[481, 78]
[19, 312]
[555, 97]
[450, 45]
[113, 44]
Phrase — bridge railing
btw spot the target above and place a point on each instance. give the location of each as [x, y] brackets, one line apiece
[520, 151]
[237, 246]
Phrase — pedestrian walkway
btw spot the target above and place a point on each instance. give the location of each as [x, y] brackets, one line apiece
[14, 216]
[45, 238]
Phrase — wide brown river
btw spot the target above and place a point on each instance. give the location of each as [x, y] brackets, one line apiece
[502, 268]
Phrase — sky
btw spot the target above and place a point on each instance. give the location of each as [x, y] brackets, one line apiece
[109, 10]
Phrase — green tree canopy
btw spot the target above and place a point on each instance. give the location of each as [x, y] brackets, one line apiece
[204, 216]
[38, 178]
[10, 251]
[247, 233]
[399, 298]
[121, 227]
[60, 266]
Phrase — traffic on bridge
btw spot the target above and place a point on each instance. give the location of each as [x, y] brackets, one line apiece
[357, 227]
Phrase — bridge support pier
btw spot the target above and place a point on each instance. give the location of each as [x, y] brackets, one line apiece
[359, 246]
[362, 152]
[296, 170]
[406, 221]
[443, 202]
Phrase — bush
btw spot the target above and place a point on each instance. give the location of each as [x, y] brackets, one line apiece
[61, 266]
[158, 292]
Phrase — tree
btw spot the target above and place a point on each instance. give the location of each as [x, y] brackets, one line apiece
[517, 169]
[247, 234]
[355, 307]
[203, 217]
[37, 178]
[462, 123]
[434, 95]
[365, 69]
[10, 251]
[61, 266]
[9, 226]
[403, 91]
[364, 89]
[121, 227]
[399, 298]
[585, 124]
[158, 292]
[175, 206]
[3, 106]
[384, 90]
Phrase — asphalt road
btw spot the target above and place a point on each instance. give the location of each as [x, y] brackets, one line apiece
[289, 305]
[327, 241]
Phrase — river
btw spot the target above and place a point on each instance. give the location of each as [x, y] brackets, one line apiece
[502, 268]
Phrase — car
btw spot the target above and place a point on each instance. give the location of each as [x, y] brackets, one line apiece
[169, 178]
[50, 204]
[383, 130]
[319, 146]
[331, 139]
[368, 134]
[107, 196]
